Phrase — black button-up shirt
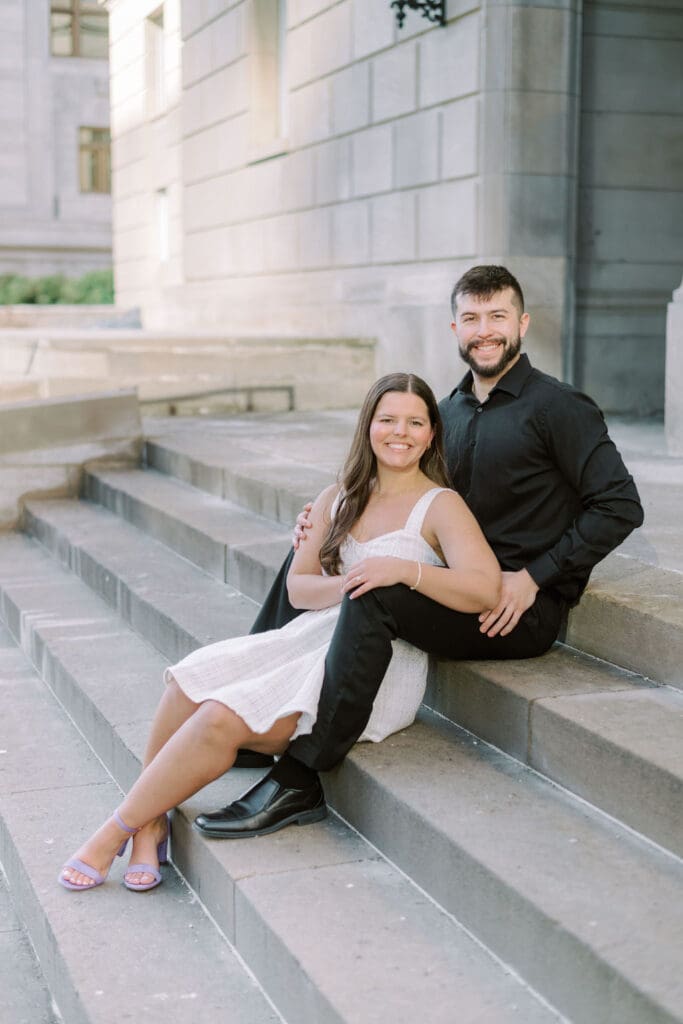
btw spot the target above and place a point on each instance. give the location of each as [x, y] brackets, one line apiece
[537, 468]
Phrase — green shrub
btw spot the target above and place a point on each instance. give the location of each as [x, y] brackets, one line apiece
[93, 288]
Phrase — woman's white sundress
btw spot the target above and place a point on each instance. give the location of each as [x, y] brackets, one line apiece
[266, 676]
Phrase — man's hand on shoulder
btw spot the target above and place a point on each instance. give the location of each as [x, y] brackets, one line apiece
[517, 595]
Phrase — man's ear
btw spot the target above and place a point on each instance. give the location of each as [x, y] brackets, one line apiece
[524, 322]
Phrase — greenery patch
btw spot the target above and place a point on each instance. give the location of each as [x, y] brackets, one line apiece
[94, 288]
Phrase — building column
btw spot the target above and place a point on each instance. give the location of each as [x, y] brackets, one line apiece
[673, 401]
[530, 81]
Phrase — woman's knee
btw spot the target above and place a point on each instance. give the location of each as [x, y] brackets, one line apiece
[220, 724]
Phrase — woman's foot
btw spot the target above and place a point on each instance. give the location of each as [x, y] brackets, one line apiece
[96, 854]
[145, 853]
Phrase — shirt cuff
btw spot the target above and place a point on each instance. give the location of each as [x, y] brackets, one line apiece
[542, 570]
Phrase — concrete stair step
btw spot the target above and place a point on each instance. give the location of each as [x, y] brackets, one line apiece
[631, 614]
[541, 877]
[270, 465]
[110, 959]
[570, 899]
[219, 536]
[26, 998]
[609, 736]
[334, 933]
[167, 599]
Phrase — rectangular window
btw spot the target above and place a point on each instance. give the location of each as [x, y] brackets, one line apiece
[156, 63]
[94, 159]
[79, 28]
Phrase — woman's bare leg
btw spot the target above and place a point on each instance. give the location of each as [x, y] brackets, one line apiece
[173, 711]
[199, 751]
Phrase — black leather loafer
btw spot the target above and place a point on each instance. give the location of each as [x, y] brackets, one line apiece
[265, 808]
[250, 759]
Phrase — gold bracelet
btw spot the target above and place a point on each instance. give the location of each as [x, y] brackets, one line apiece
[419, 576]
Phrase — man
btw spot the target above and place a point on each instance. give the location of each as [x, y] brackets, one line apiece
[532, 458]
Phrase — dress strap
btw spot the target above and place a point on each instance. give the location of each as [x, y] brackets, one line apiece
[416, 517]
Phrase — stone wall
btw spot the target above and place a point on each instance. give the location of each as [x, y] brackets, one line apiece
[631, 199]
[46, 224]
[398, 159]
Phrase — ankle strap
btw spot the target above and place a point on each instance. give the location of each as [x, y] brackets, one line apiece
[121, 823]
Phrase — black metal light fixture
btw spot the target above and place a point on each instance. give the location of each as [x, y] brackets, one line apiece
[432, 10]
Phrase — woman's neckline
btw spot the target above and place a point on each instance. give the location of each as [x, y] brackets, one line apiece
[401, 529]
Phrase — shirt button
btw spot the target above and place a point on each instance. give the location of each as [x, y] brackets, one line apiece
[473, 444]
[480, 408]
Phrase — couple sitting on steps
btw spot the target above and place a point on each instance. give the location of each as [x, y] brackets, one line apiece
[389, 567]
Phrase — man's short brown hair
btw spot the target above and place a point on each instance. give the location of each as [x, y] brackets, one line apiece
[483, 282]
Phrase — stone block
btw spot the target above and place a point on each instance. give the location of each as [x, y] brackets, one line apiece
[449, 61]
[609, 158]
[372, 157]
[393, 227]
[280, 242]
[298, 176]
[540, 133]
[447, 220]
[631, 75]
[620, 222]
[416, 156]
[52, 422]
[459, 138]
[394, 82]
[539, 30]
[373, 29]
[315, 238]
[309, 113]
[541, 214]
[332, 171]
[350, 103]
[351, 233]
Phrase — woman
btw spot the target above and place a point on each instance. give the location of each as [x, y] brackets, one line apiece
[387, 524]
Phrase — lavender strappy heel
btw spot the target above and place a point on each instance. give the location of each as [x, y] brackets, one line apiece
[149, 869]
[86, 869]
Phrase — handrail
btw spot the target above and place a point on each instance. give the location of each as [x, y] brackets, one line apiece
[246, 389]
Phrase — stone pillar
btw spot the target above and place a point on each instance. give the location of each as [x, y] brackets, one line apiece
[673, 415]
[530, 81]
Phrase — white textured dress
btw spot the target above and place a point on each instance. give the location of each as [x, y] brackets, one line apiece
[266, 676]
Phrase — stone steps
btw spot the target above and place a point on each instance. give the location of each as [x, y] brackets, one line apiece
[631, 614]
[333, 932]
[103, 959]
[435, 824]
[629, 732]
[537, 876]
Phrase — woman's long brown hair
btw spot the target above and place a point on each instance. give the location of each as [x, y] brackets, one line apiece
[360, 468]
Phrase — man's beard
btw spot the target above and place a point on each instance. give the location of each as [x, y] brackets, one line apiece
[510, 351]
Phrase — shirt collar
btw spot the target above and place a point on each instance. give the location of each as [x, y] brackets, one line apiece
[513, 381]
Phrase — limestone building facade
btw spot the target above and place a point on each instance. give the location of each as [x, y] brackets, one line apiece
[307, 167]
[55, 204]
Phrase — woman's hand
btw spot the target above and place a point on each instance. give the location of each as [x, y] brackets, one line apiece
[303, 523]
[378, 572]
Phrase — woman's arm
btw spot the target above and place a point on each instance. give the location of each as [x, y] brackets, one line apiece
[471, 580]
[306, 586]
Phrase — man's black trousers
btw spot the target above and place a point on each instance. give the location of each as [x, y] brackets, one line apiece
[360, 652]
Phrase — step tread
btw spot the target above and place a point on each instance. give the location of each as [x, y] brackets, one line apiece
[52, 795]
[560, 864]
[538, 710]
[26, 998]
[424, 957]
[125, 564]
[220, 519]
